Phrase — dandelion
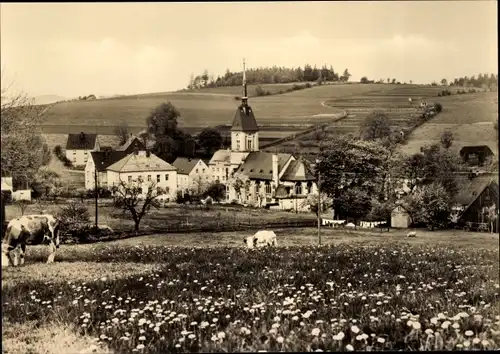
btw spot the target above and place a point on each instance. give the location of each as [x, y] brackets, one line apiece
[417, 325]
[349, 347]
[381, 340]
[485, 343]
[221, 335]
[429, 331]
[355, 329]
[315, 332]
[476, 340]
[467, 343]
[140, 346]
[280, 339]
[469, 333]
[142, 338]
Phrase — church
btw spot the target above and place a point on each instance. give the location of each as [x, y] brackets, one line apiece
[260, 178]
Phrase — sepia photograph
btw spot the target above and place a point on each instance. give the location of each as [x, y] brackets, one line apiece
[249, 176]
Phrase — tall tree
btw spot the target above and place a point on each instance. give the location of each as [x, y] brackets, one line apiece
[162, 127]
[444, 82]
[376, 126]
[210, 139]
[122, 131]
[22, 152]
[446, 139]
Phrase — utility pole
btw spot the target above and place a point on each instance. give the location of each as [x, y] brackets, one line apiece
[319, 202]
[96, 196]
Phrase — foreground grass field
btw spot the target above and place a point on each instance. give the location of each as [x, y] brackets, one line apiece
[170, 293]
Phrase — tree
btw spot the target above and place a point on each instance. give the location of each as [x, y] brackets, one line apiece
[122, 131]
[47, 183]
[210, 139]
[345, 76]
[444, 82]
[446, 139]
[22, 149]
[22, 205]
[375, 126]
[364, 80]
[352, 170]
[431, 205]
[311, 201]
[238, 185]
[129, 197]
[216, 191]
[381, 211]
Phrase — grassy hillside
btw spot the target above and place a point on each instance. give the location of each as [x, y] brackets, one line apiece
[470, 117]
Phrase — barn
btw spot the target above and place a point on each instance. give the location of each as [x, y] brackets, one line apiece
[474, 200]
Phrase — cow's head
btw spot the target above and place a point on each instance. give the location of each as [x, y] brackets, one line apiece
[250, 241]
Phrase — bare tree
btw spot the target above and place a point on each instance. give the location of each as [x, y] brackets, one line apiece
[21, 139]
[22, 204]
[122, 131]
[130, 198]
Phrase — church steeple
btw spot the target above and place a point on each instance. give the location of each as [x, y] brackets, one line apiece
[244, 99]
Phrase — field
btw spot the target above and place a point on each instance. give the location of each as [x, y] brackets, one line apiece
[169, 293]
[174, 216]
[469, 117]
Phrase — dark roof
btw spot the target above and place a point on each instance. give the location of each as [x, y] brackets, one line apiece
[298, 170]
[244, 120]
[470, 190]
[81, 141]
[474, 149]
[185, 165]
[131, 143]
[104, 159]
[259, 165]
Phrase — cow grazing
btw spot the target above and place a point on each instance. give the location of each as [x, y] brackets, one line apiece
[411, 234]
[261, 239]
[33, 230]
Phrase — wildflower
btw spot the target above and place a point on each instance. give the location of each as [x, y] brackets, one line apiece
[191, 336]
[467, 343]
[221, 335]
[429, 331]
[315, 332]
[339, 336]
[456, 325]
[476, 340]
[469, 333]
[280, 339]
[355, 329]
[349, 347]
[417, 325]
[142, 338]
[485, 343]
[140, 346]
[445, 324]
[381, 340]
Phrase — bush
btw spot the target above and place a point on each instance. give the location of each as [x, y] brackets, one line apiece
[59, 154]
[74, 219]
[101, 193]
[180, 198]
[259, 91]
[438, 107]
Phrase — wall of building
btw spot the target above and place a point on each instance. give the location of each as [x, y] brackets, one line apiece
[400, 218]
[7, 184]
[200, 177]
[22, 194]
[102, 177]
[239, 141]
[169, 183]
[80, 157]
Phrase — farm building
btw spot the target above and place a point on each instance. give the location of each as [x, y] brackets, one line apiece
[132, 144]
[192, 174]
[79, 146]
[144, 167]
[476, 155]
[100, 160]
[475, 199]
[400, 218]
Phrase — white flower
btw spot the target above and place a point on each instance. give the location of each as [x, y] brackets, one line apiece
[469, 333]
[141, 338]
[349, 347]
[485, 343]
[140, 346]
[191, 336]
[280, 339]
[339, 336]
[476, 340]
[380, 340]
[221, 335]
[417, 325]
[355, 329]
[467, 343]
[455, 325]
[315, 332]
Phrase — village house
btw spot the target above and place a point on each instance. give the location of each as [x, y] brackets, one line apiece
[473, 202]
[476, 155]
[256, 177]
[193, 175]
[79, 146]
[146, 168]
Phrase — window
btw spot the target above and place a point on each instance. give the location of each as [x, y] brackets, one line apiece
[268, 188]
[217, 169]
[237, 144]
[166, 177]
[196, 171]
[74, 152]
[158, 178]
[287, 190]
[206, 177]
[158, 190]
[203, 170]
[167, 190]
[139, 178]
[298, 188]
[129, 179]
[149, 178]
[309, 187]
[249, 144]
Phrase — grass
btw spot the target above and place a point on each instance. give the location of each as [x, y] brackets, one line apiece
[168, 293]
[172, 216]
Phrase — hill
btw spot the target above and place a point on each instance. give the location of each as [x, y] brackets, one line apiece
[48, 99]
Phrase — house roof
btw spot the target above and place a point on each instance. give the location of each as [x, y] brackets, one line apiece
[104, 159]
[281, 192]
[221, 156]
[81, 141]
[472, 189]
[142, 163]
[259, 165]
[131, 142]
[244, 120]
[298, 170]
[473, 149]
[185, 165]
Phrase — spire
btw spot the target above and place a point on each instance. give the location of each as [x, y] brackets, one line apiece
[245, 97]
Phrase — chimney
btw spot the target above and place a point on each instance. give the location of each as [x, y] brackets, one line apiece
[275, 170]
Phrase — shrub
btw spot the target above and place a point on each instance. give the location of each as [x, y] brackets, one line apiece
[438, 107]
[180, 198]
[74, 220]
[259, 91]
[59, 154]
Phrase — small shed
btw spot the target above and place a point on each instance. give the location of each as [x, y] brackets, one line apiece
[400, 218]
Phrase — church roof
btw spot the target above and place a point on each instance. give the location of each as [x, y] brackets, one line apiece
[244, 120]
[298, 170]
[259, 165]
[221, 156]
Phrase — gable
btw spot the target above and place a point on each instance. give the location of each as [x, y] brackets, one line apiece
[81, 141]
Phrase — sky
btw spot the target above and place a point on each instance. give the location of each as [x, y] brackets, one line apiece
[73, 49]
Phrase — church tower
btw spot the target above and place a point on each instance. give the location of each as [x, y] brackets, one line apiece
[245, 131]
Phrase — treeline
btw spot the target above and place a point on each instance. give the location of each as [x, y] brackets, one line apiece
[482, 80]
[273, 75]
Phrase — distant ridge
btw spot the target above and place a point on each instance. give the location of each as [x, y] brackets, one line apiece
[47, 99]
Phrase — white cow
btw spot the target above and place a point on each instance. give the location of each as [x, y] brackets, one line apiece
[261, 239]
[350, 225]
[30, 229]
[411, 234]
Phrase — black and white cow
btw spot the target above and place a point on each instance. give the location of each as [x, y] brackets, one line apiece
[261, 239]
[32, 230]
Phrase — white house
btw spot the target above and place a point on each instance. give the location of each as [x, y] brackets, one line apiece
[193, 175]
[145, 167]
[7, 184]
[101, 159]
[79, 146]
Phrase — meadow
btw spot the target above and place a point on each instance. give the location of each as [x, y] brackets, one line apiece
[206, 293]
